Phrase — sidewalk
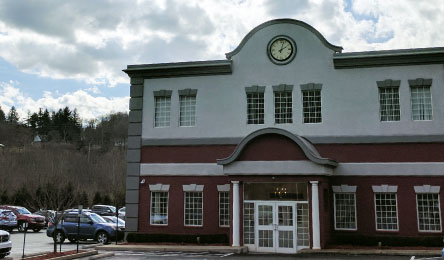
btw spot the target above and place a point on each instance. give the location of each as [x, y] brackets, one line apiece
[243, 249]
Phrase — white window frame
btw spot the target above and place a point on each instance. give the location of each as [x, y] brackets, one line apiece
[424, 190]
[345, 189]
[257, 118]
[283, 111]
[162, 122]
[421, 90]
[386, 189]
[159, 188]
[392, 117]
[187, 107]
[225, 188]
[192, 188]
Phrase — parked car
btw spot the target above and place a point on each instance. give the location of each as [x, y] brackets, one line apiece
[92, 226]
[114, 221]
[48, 214]
[104, 210]
[5, 244]
[35, 222]
[8, 220]
[122, 212]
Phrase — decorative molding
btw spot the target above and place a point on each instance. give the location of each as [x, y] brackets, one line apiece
[283, 88]
[384, 188]
[188, 92]
[193, 187]
[180, 169]
[162, 93]
[390, 169]
[159, 187]
[283, 21]
[311, 86]
[308, 148]
[180, 69]
[427, 189]
[403, 57]
[255, 89]
[313, 139]
[420, 82]
[288, 168]
[388, 83]
[224, 187]
[344, 188]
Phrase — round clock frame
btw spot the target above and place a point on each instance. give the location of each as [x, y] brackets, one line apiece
[286, 60]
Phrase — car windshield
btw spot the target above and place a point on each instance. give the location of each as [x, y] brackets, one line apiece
[96, 218]
[23, 211]
[113, 209]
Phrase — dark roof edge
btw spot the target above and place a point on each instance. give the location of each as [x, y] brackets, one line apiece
[308, 149]
[279, 21]
[400, 57]
[180, 69]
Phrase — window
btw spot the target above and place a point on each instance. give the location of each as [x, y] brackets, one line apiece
[311, 102]
[187, 110]
[193, 208]
[249, 223]
[187, 100]
[421, 101]
[429, 213]
[345, 211]
[283, 104]
[389, 104]
[386, 211]
[255, 104]
[224, 209]
[255, 108]
[162, 107]
[159, 208]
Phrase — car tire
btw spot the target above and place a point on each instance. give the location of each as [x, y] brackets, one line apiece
[2, 256]
[36, 230]
[102, 237]
[58, 236]
[21, 226]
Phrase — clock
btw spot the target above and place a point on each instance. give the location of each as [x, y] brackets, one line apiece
[281, 50]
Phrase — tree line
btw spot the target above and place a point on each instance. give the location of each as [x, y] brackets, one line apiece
[52, 161]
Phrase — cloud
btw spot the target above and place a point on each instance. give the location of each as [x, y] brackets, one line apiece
[88, 106]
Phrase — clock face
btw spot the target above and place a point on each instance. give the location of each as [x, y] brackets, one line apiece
[281, 50]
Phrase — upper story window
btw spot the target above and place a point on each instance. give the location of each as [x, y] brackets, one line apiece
[187, 100]
[162, 108]
[311, 102]
[421, 99]
[283, 104]
[389, 100]
[255, 104]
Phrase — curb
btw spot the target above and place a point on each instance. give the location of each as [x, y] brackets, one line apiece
[144, 248]
[102, 255]
[393, 252]
[67, 257]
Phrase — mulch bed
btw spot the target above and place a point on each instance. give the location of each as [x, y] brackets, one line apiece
[384, 247]
[53, 255]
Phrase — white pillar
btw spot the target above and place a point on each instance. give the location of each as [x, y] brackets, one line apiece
[315, 214]
[236, 221]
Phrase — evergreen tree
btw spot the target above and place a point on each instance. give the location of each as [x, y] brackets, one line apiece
[2, 115]
[13, 116]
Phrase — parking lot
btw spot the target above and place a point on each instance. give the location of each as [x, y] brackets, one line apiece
[38, 242]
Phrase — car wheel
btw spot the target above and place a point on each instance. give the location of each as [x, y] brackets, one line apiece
[102, 237]
[21, 227]
[2, 256]
[36, 230]
[58, 236]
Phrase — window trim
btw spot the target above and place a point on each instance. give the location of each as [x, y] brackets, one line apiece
[228, 193]
[185, 207]
[151, 207]
[283, 88]
[180, 109]
[424, 83]
[345, 189]
[162, 94]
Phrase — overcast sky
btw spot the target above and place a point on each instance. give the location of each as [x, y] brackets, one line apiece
[71, 53]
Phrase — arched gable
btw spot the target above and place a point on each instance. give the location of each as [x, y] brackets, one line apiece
[295, 148]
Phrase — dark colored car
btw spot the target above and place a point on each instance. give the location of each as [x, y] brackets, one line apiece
[48, 214]
[92, 226]
[35, 222]
[104, 210]
[8, 220]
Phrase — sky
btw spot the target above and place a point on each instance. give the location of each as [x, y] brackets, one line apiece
[71, 53]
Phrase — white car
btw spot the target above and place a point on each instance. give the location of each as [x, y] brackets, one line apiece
[5, 244]
[122, 212]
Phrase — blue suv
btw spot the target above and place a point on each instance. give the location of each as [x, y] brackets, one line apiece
[92, 226]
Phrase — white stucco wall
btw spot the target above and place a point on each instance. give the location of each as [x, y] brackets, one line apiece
[350, 102]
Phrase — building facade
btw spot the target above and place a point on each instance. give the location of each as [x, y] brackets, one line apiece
[288, 143]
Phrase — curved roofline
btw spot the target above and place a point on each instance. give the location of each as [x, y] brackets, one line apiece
[307, 147]
[280, 21]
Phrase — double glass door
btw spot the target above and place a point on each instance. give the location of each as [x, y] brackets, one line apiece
[276, 227]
